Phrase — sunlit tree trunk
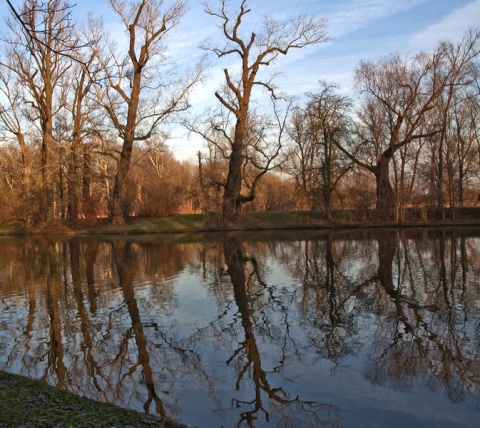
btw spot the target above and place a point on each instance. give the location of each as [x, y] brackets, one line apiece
[232, 195]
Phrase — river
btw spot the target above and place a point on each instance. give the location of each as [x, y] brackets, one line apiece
[357, 328]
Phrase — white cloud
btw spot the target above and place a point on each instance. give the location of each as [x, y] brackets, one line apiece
[451, 27]
[356, 14]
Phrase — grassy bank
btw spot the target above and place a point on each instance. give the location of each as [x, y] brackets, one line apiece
[208, 223]
[270, 220]
[27, 403]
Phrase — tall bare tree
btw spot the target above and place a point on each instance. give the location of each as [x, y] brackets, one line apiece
[398, 92]
[37, 48]
[301, 155]
[141, 90]
[316, 132]
[459, 71]
[12, 126]
[80, 111]
[264, 140]
[254, 51]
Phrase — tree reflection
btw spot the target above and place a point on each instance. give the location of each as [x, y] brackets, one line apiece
[329, 291]
[247, 356]
[150, 325]
[124, 260]
[387, 247]
[426, 339]
[422, 293]
[55, 363]
[84, 331]
[87, 345]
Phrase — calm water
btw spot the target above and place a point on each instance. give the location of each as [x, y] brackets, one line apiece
[356, 329]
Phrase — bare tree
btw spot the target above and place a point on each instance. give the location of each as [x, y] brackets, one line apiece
[301, 156]
[264, 140]
[66, 45]
[316, 132]
[459, 73]
[12, 124]
[80, 111]
[35, 53]
[398, 93]
[255, 51]
[141, 90]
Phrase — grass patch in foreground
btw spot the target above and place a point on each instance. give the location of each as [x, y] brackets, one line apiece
[29, 403]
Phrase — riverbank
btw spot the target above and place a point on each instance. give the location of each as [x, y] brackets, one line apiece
[32, 404]
[252, 221]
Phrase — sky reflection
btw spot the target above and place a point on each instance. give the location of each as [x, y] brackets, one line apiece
[334, 330]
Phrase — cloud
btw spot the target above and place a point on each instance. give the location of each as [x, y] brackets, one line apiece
[356, 14]
[451, 27]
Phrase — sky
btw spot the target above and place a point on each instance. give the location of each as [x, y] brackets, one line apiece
[359, 30]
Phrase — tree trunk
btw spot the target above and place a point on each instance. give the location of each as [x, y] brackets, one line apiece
[118, 209]
[231, 207]
[440, 196]
[25, 176]
[72, 207]
[385, 193]
[88, 207]
[48, 213]
[119, 212]
[327, 188]
[327, 201]
[461, 174]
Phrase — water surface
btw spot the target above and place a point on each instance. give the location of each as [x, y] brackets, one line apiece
[298, 329]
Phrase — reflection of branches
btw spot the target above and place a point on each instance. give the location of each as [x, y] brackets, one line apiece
[421, 303]
[90, 258]
[87, 346]
[248, 356]
[427, 341]
[22, 344]
[276, 306]
[327, 292]
[124, 262]
[125, 280]
[425, 335]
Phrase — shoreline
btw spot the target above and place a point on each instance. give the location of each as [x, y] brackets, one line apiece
[249, 222]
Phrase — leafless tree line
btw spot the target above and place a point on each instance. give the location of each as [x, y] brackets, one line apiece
[83, 121]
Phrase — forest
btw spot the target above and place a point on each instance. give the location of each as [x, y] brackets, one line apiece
[85, 120]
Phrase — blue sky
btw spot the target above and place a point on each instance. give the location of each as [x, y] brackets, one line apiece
[360, 29]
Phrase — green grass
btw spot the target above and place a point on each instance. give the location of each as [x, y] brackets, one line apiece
[28, 403]
[282, 220]
[12, 227]
[249, 221]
